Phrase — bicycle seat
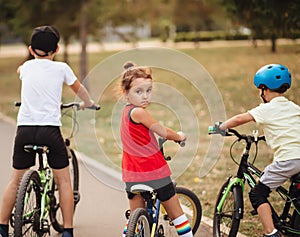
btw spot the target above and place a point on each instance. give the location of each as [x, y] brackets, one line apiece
[36, 148]
[137, 188]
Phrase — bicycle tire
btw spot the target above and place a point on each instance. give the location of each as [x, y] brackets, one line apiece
[191, 207]
[138, 224]
[295, 223]
[28, 206]
[55, 212]
[226, 223]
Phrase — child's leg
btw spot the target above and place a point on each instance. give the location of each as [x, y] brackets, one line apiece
[135, 201]
[179, 219]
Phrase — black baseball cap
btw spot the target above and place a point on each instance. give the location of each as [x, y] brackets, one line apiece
[44, 38]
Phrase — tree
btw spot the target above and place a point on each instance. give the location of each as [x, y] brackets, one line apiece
[266, 18]
[196, 15]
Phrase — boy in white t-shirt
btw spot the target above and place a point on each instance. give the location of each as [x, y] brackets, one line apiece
[39, 122]
[280, 119]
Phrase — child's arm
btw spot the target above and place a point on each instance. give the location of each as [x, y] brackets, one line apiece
[82, 93]
[237, 120]
[140, 115]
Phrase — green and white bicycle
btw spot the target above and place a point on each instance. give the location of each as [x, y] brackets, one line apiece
[37, 207]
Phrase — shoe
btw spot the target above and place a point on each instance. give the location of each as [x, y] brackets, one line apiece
[277, 234]
[66, 234]
[3, 232]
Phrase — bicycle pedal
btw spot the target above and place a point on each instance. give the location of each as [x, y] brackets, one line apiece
[45, 228]
[166, 218]
[76, 195]
[127, 214]
[253, 212]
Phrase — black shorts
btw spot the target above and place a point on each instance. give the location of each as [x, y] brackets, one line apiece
[164, 193]
[49, 136]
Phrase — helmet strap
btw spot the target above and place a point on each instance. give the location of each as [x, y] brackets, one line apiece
[262, 95]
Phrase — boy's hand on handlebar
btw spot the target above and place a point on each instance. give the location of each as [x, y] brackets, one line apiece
[217, 130]
[91, 105]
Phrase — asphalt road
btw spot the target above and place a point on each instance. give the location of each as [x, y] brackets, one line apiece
[100, 211]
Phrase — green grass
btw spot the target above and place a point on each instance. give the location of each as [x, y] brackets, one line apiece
[232, 70]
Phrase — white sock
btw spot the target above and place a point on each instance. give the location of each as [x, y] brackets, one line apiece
[125, 229]
[272, 233]
[183, 226]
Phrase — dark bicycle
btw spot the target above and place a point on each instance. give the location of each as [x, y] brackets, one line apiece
[229, 208]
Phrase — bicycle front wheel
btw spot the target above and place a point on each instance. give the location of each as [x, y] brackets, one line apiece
[226, 222]
[28, 206]
[138, 224]
[191, 207]
[55, 212]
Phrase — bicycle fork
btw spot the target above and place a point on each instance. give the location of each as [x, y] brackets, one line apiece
[236, 186]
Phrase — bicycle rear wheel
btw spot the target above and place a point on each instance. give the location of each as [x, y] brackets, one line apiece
[55, 212]
[295, 223]
[28, 206]
[191, 207]
[138, 224]
[226, 223]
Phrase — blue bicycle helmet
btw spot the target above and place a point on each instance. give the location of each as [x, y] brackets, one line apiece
[273, 76]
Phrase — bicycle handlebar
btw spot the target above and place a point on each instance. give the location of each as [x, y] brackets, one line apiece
[77, 106]
[230, 132]
[70, 105]
[162, 140]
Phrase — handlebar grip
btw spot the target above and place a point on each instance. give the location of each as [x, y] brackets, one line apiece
[181, 143]
[94, 107]
[212, 130]
[216, 130]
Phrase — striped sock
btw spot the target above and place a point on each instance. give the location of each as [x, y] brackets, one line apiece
[183, 226]
[125, 229]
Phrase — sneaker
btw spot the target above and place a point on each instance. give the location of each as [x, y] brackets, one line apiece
[277, 234]
[66, 234]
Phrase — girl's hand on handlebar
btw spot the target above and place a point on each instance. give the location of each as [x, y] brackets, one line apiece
[182, 138]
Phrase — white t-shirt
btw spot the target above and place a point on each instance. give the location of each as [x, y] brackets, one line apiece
[42, 84]
[280, 119]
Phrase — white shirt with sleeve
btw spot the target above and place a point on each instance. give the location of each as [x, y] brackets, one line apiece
[280, 119]
[41, 92]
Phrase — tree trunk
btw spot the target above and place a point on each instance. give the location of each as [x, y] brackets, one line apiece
[273, 41]
[83, 40]
[66, 54]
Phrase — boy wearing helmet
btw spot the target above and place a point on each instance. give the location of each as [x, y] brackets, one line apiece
[39, 122]
[280, 119]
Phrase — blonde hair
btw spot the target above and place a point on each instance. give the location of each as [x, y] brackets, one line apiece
[132, 72]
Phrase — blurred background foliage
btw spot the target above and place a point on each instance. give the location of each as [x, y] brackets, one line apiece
[132, 20]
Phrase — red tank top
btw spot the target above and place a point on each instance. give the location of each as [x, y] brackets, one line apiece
[142, 159]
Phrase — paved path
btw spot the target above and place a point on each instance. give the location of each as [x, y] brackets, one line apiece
[100, 211]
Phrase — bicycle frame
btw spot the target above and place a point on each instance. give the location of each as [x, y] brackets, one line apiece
[46, 178]
[153, 210]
